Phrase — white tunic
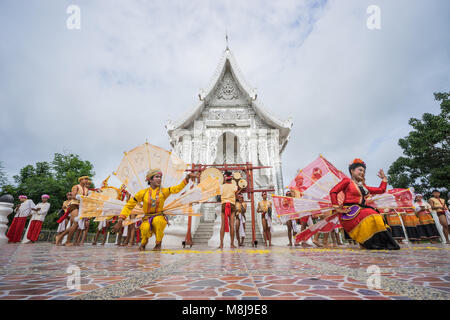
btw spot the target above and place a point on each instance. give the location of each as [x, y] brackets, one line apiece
[425, 204]
[25, 209]
[40, 215]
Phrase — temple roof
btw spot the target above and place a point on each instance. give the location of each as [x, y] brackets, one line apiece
[228, 62]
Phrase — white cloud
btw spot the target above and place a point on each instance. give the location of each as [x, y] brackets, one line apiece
[133, 65]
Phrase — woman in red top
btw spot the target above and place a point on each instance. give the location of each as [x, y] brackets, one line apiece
[363, 223]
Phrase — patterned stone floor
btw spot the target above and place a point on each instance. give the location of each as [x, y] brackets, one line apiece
[42, 271]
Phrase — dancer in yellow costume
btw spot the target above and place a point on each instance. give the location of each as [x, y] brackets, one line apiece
[153, 199]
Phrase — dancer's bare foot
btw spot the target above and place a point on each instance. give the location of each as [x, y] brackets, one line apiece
[317, 244]
[157, 247]
[69, 244]
[232, 246]
[270, 244]
[289, 244]
[141, 248]
[94, 243]
[305, 245]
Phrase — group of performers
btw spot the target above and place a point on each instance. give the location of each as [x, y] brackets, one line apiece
[23, 210]
[360, 222]
[153, 222]
[368, 226]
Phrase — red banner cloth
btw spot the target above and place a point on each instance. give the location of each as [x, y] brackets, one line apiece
[325, 225]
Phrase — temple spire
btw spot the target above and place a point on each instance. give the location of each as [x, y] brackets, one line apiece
[226, 39]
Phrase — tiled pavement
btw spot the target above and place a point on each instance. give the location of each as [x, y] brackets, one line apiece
[41, 271]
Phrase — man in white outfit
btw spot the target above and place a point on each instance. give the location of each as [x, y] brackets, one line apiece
[23, 210]
[35, 225]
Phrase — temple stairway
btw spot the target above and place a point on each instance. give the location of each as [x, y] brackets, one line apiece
[205, 231]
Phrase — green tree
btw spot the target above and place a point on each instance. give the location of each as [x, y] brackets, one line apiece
[426, 162]
[55, 179]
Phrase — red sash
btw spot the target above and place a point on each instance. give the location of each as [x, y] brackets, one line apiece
[227, 214]
[64, 216]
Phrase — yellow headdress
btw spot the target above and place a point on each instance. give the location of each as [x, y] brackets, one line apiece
[83, 177]
[152, 173]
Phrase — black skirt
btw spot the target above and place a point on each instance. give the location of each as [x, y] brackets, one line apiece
[397, 232]
[381, 241]
[413, 233]
[428, 231]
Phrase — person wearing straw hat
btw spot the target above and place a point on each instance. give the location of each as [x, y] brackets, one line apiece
[40, 211]
[79, 190]
[63, 224]
[83, 223]
[426, 225]
[241, 208]
[438, 204]
[154, 221]
[23, 210]
[265, 208]
[229, 191]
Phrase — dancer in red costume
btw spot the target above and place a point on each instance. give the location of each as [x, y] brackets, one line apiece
[363, 223]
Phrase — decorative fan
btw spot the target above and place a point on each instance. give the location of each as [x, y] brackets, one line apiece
[132, 171]
[313, 184]
[136, 163]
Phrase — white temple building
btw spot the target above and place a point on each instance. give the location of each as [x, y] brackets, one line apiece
[229, 125]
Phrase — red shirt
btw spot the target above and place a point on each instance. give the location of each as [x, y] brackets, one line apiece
[352, 192]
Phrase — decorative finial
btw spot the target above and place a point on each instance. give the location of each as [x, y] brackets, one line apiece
[226, 39]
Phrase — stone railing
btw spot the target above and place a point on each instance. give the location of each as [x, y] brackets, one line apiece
[6, 208]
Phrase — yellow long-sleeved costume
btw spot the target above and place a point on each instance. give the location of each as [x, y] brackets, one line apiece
[153, 200]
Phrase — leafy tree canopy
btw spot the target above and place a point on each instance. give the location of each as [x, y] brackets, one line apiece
[425, 164]
[54, 178]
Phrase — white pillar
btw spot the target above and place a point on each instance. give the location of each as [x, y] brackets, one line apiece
[5, 210]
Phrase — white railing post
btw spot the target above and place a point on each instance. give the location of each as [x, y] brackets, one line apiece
[438, 225]
[404, 229]
[6, 208]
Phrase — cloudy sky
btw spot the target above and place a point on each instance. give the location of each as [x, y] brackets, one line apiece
[133, 65]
